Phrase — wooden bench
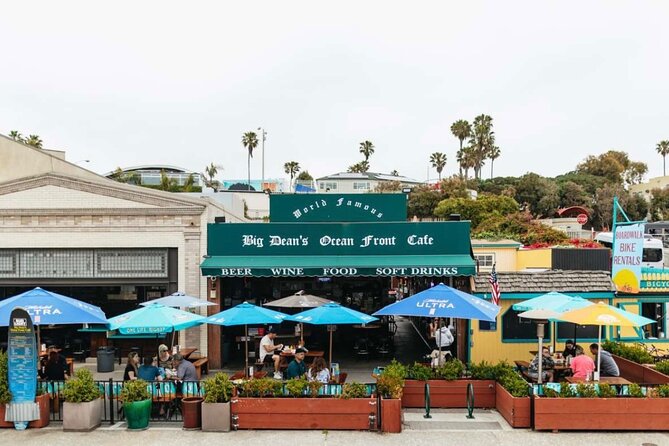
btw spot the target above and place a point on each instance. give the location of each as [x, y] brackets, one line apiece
[201, 366]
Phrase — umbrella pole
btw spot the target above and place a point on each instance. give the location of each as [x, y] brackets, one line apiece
[441, 324]
[330, 348]
[541, 359]
[246, 349]
[39, 341]
[554, 336]
[599, 350]
[302, 333]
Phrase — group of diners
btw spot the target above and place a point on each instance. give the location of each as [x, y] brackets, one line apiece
[162, 367]
[270, 355]
[579, 364]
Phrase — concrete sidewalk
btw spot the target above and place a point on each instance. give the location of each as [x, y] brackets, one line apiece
[116, 435]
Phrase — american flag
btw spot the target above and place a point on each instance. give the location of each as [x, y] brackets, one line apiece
[494, 284]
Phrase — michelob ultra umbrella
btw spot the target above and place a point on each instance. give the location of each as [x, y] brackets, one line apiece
[332, 314]
[299, 300]
[246, 314]
[154, 319]
[179, 300]
[601, 314]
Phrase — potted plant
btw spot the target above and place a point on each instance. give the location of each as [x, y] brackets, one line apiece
[390, 384]
[5, 395]
[136, 403]
[216, 406]
[82, 409]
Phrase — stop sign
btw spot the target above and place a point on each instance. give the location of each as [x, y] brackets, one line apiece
[581, 219]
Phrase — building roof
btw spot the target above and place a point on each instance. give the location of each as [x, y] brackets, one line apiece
[154, 168]
[368, 176]
[504, 243]
[545, 281]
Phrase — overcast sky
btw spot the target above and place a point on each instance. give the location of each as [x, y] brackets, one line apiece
[129, 83]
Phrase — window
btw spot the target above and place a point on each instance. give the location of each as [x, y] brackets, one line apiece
[485, 261]
[487, 326]
[566, 330]
[515, 328]
[361, 185]
[327, 185]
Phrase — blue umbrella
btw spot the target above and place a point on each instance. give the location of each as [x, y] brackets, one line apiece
[246, 314]
[47, 308]
[332, 314]
[179, 300]
[154, 319]
[442, 301]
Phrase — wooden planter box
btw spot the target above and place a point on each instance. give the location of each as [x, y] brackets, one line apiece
[516, 411]
[638, 373]
[43, 401]
[4, 423]
[391, 415]
[449, 394]
[303, 413]
[601, 414]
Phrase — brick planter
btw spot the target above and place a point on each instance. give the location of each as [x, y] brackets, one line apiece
[449, 394]
[592, 414]
[515, 410]
[304, 413]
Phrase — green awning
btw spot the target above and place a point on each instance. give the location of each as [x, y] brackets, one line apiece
[344, 265]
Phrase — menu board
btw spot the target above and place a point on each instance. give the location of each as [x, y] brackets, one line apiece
[22, 367]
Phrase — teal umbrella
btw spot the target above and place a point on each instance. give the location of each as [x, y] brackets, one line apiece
[154, 319]
[332, 314]
[246, 314]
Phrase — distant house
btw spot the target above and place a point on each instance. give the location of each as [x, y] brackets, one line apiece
[353, 182]
[150, 175]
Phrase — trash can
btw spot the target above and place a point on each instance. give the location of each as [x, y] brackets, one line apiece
[106, 359]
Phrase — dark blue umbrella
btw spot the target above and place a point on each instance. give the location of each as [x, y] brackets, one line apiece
[442, 301]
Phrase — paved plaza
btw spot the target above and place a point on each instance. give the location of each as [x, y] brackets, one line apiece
[54, 436]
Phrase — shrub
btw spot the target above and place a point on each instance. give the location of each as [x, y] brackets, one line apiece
[218, 389]
[606, 391]
[353, 390]
[485, 370]
[662, 391]
[566, 391]
[635, 391]
[631, 352]
[296, 387]
[314, 387]
[5, 395]
[396, 368]
[262, 387]
[551, 393]
[662, 367]
[450, 370]
[390, 386]
[81, 388]
[513, 382]
[420, 372]
[586, 390]
[135, 390]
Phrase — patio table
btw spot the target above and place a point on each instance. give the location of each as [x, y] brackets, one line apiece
[613, 380]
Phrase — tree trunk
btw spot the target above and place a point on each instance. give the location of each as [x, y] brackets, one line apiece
[664, 165]
[248, 158]
[492, 163]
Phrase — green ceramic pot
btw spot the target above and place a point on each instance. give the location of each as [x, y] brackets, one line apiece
[137, 414]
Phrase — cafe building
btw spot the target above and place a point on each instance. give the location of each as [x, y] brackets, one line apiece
[356, 249]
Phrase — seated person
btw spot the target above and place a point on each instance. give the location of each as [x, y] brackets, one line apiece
[582, 364]
[319, 371]
[607, 363]
[569, 349]
[185, 369]
[270, 353]
[164, 358]
[148, 371]
[296, 368]
[55, 368]
[547, 365]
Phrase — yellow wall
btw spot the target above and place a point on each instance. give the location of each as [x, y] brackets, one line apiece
[534, 258]
[627, 332]
[505, 258]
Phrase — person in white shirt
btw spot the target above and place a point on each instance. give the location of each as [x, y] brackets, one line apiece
[319, 371]
[444, 338]
[269, 352]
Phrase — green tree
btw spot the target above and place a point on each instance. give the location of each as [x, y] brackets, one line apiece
[189, 184]
[209, 176]
[481, 142]
[16, 136]
[305, 176]
[250, 142]
[498, 185]
[438, 161]
[538, 193]
[34, 141]
[663, 149]
[486, 206]
[493, 155]
[167, 183]
[573, 194]
[635, 206]
[388, 186]
[367, 149]
[615, 166]
[422, 202]
[361, 167]
[518, 226]
[659, 204]
[455, 187]
[126, 177]
[461, 130]
[291, 168]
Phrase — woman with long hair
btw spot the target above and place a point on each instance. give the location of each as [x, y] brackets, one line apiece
[319, 371]
[130, 372]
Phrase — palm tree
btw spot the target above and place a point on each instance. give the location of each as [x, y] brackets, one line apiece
[367, 149]
[663, 149]
[460, 158]
[468, 160]
[291, 168]
[395, 173]
[461, 130]
[361, 167]
[34, 141]
[250, 141]
[438, 161]
[210, 172]
[16, 136]
[493, 155]
[481, 141]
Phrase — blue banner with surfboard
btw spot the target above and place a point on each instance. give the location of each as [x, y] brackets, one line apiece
[22, 369]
